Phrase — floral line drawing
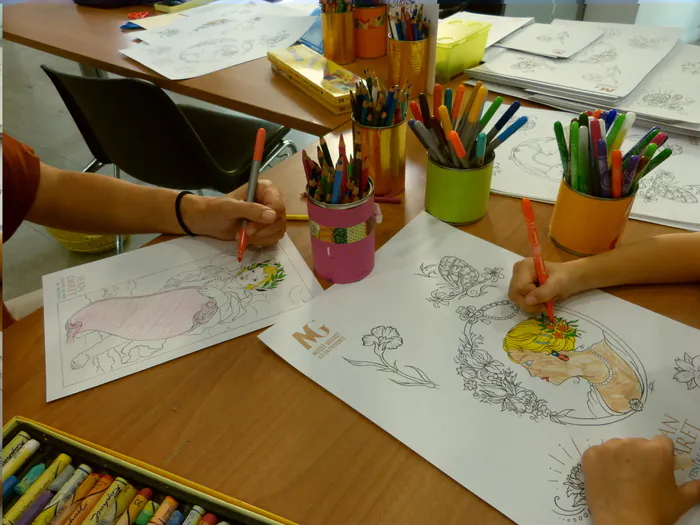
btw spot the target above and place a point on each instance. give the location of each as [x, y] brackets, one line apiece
[384, 338]
[692, 68]
[666, 100]
[643, 42]
[570, 502]
[461, 280]
[662, 185]
[688, 371]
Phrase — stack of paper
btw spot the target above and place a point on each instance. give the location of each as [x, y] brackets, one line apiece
[529, 165]
[552, 41]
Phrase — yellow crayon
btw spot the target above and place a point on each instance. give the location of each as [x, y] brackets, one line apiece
[39, 486]
[16, 443]
[124, 499]
[63, 496]
[103, 508]
[23, 454]
[166, 509]
[76, 499]
[135, 507]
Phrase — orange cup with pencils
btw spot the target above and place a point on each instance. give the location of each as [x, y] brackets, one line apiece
[585, 225]
[338, 37]
[370, 31]
[383, 149]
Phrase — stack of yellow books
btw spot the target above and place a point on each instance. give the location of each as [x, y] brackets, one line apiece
[325, 81]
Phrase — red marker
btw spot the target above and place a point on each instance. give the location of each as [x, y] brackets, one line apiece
[252, 187]
[616, 174]
[536, 250]
[415, 109]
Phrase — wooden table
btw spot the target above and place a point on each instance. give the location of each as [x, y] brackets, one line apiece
[92, 37]
[237, 418]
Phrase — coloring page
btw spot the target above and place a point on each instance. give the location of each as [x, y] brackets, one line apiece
[611, 67]
[200, 45]
[552, 41]
[501, 26]
[503, 402]
[529, 165]
[122, 315]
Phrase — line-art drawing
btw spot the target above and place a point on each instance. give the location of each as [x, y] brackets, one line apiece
[562, 37]
[570, 502]
[608, 78]
[688, 371]
[383, 339]
[665, 99]
[555, 353]
[168, 32]
[644, 42]
[532, 65]
[539, 157]
[216, 49]
[213, 23]
[121, 328]
[460, 280]
[662, 185]
[692, 68]
[598, 53]
[275, 40]
[609, 33]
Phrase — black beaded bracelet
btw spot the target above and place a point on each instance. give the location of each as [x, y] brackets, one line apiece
[178, 213]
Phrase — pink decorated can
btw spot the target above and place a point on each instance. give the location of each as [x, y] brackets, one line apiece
[342, 238]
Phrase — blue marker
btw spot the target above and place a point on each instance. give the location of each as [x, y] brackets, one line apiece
[610, 119]
[448, 100]
[515, 126]
[503, 121]
[8, 487]
[337, 182]
[176, 519]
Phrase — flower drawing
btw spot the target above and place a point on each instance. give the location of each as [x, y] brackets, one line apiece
[575, 488]
[459, 280]
[688, 371]
[382, 339]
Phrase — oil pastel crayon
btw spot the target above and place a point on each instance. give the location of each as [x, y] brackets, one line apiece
[176, 519]
[76, 499]
[63, 494]
[20, 458]
[8, 487]
[56, 484]
[147, 513]
[118, 506]
[209, 519]
[29, 478]
[14, 446]
[35, 508]
[164, 512]
[85, 506]
[195, 516]
[107, 502]
[135, 507]
[40, 485]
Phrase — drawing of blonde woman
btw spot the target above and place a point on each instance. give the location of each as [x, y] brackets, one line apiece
[137, 327]
[551, 352]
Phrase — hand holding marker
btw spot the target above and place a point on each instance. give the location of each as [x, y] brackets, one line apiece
[593, 162]
[454, 134]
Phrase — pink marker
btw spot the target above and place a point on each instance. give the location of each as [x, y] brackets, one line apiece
[660, 139]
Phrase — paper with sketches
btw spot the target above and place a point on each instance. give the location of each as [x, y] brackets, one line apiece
[501, 26]
[154, 22]
[528, 165]
[609, 69]
[196, 46]
[436, 355]
[552, 41]
[122, 315]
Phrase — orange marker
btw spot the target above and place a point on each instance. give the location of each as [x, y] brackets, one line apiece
[616, 174]
[164, 512]
[458, 149]
[597, 112]
[415, 109]
[457, 103]
[252, 187]
[85, 506]
[536, 250]
[437, 99]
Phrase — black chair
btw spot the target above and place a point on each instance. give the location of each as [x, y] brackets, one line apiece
[135, 126]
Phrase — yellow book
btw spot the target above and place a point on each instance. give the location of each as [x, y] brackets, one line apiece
[326, 81]
[338, 110]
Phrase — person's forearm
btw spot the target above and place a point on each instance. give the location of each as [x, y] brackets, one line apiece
[669, 258]
[93, 203]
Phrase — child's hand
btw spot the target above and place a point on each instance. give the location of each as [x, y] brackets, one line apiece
[632, 481]
[563, 280]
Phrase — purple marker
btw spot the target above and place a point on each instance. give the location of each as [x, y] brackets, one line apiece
[603, 171]
[628, 175]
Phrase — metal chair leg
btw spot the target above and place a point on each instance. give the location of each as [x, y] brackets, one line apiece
[285, 144]
[94, 166]
[120, 238]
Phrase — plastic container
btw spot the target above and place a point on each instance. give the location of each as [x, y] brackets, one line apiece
[458, 196]
[584, 225]
[460, 45]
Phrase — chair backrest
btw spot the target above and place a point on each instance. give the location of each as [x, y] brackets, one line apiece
[135, 125]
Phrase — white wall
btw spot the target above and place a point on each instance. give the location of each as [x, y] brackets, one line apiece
[672, 14]
[543, 12]
[617, 11]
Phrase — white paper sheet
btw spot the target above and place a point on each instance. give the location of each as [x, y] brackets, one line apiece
[122, 315]
[419, 350]
[501, 26]
[609, 69]
[200, 45]
[552, 41]
[528, 165]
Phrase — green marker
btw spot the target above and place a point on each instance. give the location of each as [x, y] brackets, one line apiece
[480, 149]
[489, 113]
[583, 160]
[612, 134]
[651, 149]
[573, 141]
[583, 119]
[654, 163]
[563, 150]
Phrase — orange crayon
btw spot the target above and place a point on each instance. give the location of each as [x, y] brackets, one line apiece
[166, 509]
[80, 494]
[85, 506]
